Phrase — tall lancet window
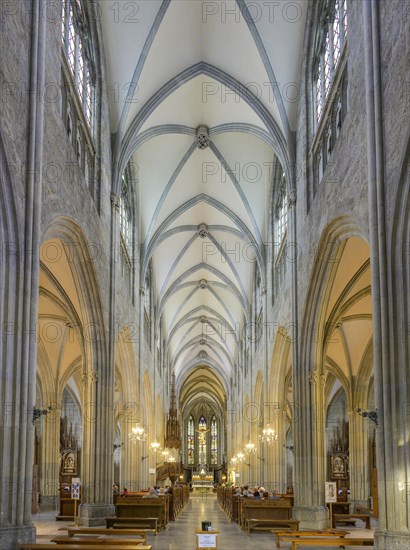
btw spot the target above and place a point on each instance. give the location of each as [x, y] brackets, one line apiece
[77, 49]
[202, 441]
[126, 213]
[191, 440]
[214, 441]
[332, 39]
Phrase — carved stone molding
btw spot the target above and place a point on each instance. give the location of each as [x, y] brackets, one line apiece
[202, 137]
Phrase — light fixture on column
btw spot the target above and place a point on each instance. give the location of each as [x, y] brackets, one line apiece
[137, 434]
[240, 457]
[37, 413]
[269, 435]
[371, 415]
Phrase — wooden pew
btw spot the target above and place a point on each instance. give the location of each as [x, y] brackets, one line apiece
[141, 533]
[317, 541]
[255, 512]
[73, 546]
[267, 524]
[149, 524]
[137, 507]
[90, 540]
[306, 533]
[342, 518]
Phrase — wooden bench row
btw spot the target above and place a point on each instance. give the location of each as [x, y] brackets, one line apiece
[76, 546]
[254, 524]
[285, 534]
[297, 542]
[346, 518]
[81, 531]
[146, 523]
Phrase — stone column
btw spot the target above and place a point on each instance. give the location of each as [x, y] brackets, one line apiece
[309, 449]
[358, 460]
[19, 279]
[98, 409]
[50, 460]
[130, 459]
[391, 369]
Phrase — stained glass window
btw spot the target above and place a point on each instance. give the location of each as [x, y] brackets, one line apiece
[191, 441]
[202, 440]
[214, 441]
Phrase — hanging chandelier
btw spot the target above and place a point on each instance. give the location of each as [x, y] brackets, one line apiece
[137, 434]
[250, 447]
[269, 435]
[155, 446]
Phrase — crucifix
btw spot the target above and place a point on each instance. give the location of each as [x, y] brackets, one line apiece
[202, 445]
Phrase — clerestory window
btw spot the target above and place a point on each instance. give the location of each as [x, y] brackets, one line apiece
[332, 39]
[78, 77]
[77, 49]
[330, 84]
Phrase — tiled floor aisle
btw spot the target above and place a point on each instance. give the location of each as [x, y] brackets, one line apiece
[180, 535]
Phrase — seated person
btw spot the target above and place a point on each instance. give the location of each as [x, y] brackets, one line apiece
[274, 495]
[152, 493]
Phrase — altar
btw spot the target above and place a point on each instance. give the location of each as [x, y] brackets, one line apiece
[203, 483]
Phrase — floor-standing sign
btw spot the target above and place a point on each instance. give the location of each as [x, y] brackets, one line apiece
[206, 539]
[75, 494]
[330, 498]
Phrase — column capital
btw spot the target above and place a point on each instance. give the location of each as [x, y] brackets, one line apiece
[115, 201]
[313, 376]
[292, 198]
[94, 376]
[323, 378]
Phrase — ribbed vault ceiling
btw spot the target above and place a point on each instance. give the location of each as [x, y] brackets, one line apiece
[172, 67]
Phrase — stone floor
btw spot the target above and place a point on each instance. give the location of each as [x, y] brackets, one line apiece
[180, 534]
